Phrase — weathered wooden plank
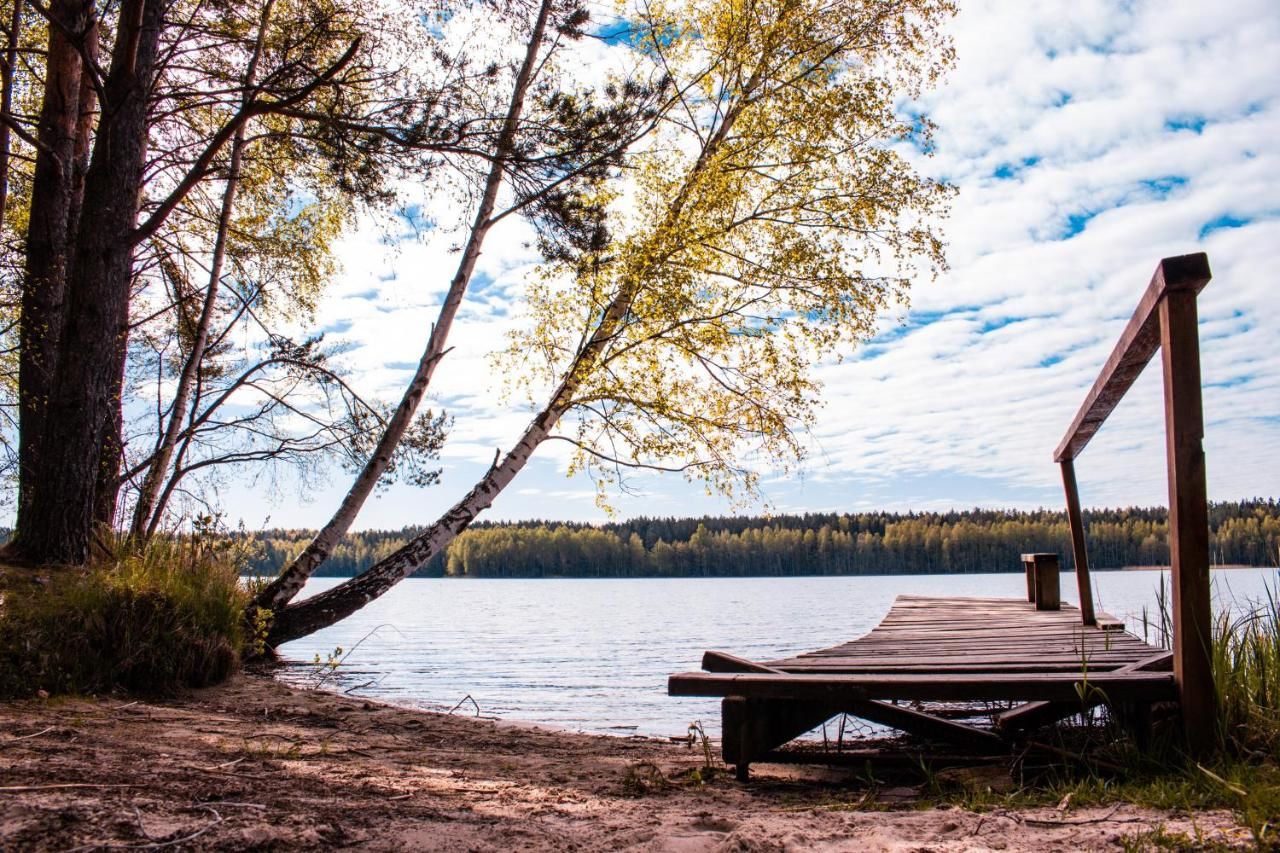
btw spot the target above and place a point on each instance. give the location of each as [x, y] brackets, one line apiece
[840, 689]
[928, 726]
[1138, 342]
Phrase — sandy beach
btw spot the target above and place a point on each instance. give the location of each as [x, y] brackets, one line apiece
[256, 765]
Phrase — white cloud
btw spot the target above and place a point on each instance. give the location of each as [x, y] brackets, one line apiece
[1088, 139]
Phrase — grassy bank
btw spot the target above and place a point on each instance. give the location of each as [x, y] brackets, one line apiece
[152, 622]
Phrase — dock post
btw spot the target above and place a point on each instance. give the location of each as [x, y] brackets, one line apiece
[1078, 552]
[1043, 585]
[1188, 516]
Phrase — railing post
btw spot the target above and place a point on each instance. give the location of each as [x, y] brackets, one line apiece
[1074, 518]
[1029, 566]
[1188, 518]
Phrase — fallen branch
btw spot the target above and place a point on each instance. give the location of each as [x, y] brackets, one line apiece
[37, 734]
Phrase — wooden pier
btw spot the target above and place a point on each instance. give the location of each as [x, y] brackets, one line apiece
[1055, 660]
[934, 650]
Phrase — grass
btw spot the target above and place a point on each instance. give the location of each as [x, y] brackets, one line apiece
[151, 621]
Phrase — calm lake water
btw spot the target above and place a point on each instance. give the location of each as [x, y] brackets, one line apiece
[594, 654]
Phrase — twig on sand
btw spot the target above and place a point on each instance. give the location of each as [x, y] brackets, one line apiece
[1109, 817]
[463, 701]
[234, 804]
[37, 734]
[154, 845]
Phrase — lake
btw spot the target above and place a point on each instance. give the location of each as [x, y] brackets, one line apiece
[594, 654]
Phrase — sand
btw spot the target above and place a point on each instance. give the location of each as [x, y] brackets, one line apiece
[256, 765]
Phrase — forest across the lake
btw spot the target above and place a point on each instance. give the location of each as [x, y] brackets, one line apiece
[865, 543]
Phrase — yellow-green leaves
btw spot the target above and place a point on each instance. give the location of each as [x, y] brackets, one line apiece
[768, 222]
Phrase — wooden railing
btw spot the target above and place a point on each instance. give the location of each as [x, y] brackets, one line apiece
[1165, 320]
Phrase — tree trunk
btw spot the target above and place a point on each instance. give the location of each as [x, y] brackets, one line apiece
[49, 248]
[146, 514]
[290, 581]
[322, 610]
[85, 394]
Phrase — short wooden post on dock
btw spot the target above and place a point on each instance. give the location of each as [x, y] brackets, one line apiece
[1043, 577]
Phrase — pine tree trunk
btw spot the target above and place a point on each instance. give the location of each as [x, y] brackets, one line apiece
[289, 583]
[85, 394]
[49, 248]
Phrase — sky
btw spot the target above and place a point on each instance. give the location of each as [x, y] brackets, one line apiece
[1087, 139]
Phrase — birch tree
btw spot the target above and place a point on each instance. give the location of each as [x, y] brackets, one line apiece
[767, 223]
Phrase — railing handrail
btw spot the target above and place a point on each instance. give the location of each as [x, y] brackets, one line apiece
[1137, 344]
[1166, 319]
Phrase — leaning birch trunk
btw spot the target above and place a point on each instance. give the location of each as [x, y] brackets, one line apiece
[320, 611]
[289, 583]
[325, 609]
[146, 515]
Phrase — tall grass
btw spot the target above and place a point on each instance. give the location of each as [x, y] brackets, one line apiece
[154, 620]
[1246, 670]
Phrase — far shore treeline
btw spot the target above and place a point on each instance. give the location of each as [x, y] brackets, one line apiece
[1242, 533]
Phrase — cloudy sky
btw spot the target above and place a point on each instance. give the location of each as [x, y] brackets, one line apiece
[1088, 140]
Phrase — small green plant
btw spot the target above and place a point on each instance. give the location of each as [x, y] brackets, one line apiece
[698, 737]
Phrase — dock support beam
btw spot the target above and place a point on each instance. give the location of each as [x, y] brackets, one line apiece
[1078, 552]
[1188, 518]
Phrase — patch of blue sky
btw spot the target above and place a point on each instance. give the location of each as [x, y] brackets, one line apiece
[415, 217]
[1076, 223]
[367, 295]
[1006, 171]
[1195, 124]
[635, 34]
[401, 365]
[1222, 223]
[1165, 185]
[337, 327]
[434, 20]
[620, 32]
[1231, 382]
[480, 282]
[993, 325]
[1051, 360]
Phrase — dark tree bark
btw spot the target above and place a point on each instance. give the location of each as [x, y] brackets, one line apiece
[53, 201]
[57, 521]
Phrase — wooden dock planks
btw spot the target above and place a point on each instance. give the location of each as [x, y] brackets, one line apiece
[930, 649]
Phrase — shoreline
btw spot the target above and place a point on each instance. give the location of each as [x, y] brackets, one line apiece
[256, 764]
